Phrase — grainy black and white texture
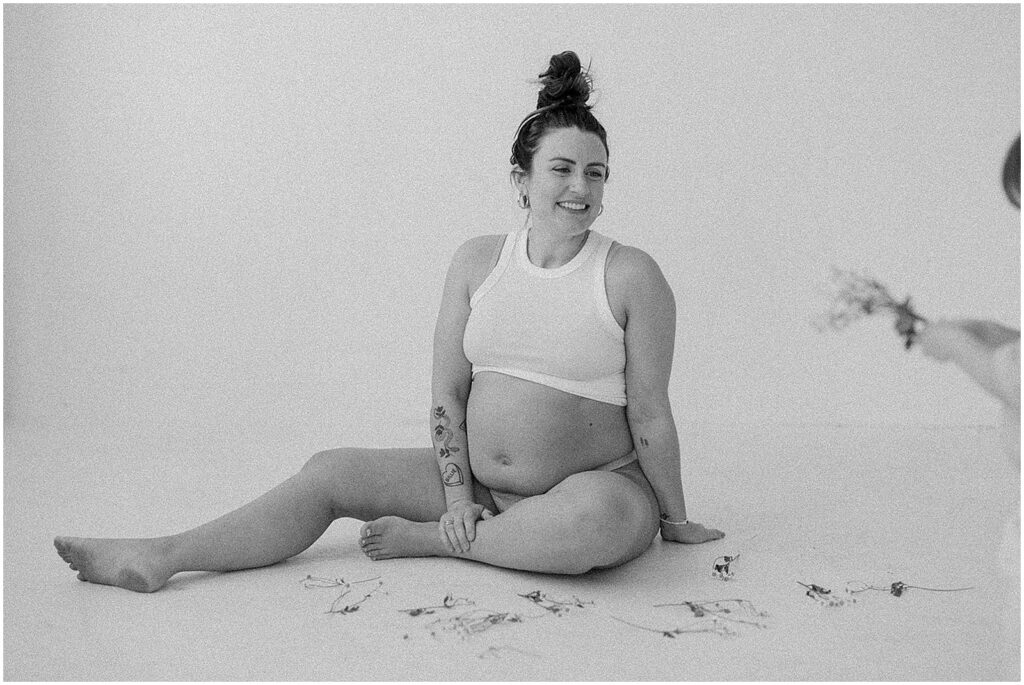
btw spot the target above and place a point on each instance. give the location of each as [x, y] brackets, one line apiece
[225, 236]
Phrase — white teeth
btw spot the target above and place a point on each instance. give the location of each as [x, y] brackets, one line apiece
[572, 205]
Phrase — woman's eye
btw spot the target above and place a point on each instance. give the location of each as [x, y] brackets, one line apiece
[596, 174]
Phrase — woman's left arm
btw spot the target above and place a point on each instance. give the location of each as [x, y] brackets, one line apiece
[650, 312]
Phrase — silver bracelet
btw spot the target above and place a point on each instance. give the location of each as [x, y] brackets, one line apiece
[664, 519]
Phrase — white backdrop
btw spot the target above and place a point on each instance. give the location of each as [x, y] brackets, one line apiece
[230, 224]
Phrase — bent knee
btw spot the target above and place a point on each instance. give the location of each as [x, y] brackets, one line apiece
[612, 520]
[322, 462]
[330, 469]
[607, 500]
[340, 476]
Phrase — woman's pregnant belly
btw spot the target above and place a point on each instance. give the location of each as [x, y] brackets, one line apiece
[525, 438]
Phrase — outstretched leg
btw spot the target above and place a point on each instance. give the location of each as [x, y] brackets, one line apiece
[590, 520]
[358, 483]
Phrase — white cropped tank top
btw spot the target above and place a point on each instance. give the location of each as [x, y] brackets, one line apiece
[549, 326]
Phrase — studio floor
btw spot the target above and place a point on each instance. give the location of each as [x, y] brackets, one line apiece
[838, 507]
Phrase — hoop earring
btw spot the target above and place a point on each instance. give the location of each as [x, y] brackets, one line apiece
[524, 201]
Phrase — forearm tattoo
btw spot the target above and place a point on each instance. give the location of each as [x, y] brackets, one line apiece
[443, 435]
[452, 475]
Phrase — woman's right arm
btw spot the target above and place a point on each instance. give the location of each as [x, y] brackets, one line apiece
[450, 384]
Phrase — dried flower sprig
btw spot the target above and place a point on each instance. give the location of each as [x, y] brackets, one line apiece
[474, 622]
[555, 606]
[449, 602]
[855, 296]
[721, 568]
[824, 596]
[734, 610]
[318, 582]
[351, 608]
[715, 628]
[898, 588]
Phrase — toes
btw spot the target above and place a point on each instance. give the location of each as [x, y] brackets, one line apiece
[367, 530]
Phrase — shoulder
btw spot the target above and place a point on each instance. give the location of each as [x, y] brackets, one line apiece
[626, 260]
[475, 258]
[482, 248]
[479, 246]
[634, 273]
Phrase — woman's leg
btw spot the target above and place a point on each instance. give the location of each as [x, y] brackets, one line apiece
[590, 520]
[358, 483]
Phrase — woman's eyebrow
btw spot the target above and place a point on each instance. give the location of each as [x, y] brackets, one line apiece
[573, 161]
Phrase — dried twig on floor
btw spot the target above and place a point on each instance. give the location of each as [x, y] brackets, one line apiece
[898, 588]
[715, 627]
[449, 602]
[473, 622]
[721, 568]
[555, 606]
[824, 596]
[319, 582]
[351, 608]
[733, 610]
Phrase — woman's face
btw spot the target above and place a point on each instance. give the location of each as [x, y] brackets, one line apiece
[566, 186]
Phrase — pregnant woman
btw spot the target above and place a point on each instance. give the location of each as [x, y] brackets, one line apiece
[554, 446]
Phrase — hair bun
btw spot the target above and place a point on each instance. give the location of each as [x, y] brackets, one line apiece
[565, 83]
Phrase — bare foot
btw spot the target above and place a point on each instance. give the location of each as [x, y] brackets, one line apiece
[391, 537]
[131, 564]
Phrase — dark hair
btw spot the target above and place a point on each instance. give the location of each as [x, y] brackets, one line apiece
[1011, 173]
[561, 103]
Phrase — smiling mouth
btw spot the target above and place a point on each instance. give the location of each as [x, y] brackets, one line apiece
[573, 206]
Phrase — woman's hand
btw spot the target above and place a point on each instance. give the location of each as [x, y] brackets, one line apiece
[458, 526]
[690, 533]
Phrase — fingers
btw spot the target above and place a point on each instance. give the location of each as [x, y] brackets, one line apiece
[444, 527]
[453, 532]
[458, 527]
[461, 534]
